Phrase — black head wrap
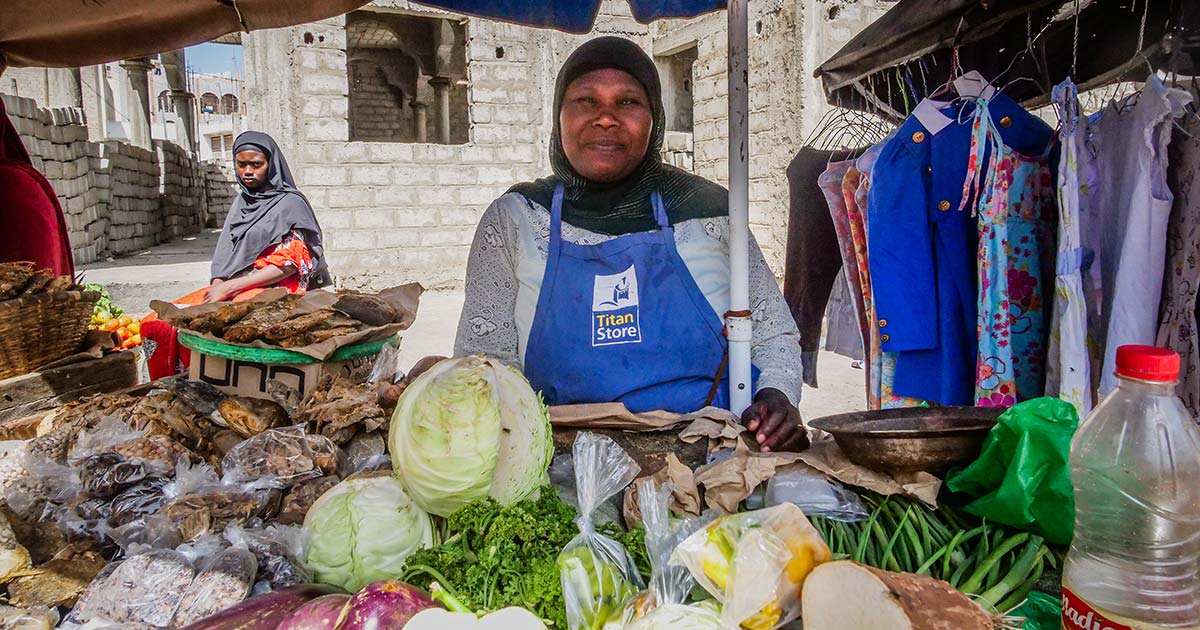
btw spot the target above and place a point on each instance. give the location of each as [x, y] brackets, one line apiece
[622, 207]
[261, 218]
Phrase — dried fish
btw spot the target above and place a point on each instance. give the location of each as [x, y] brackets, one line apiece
[261, 320]
[251, 416]
[368, 309]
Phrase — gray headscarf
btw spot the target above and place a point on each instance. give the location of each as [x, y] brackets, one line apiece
[259, 219]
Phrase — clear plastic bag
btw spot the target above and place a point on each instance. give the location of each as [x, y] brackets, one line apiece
[815, 494]
[224, 579]
[278, 550]
[755, 563]
[598, 576]
[284, 456]
[143, 589]
[366, 452]
[36, 618]
[387, 363]
[669, 584]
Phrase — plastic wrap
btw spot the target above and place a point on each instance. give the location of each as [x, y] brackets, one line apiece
[224, 580]
[814, 493]
[598, 576]
[38, 618]
[387, 363]
[143, 589]
[278, 550]
[301, 497]
[286, 456]
[755, 564]
[366, 452]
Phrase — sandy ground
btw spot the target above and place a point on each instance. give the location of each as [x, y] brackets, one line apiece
[175, 269]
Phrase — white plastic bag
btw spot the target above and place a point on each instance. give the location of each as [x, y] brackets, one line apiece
[598, 576]
[815, 494]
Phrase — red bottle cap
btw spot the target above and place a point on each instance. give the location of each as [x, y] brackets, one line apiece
[1148, 363]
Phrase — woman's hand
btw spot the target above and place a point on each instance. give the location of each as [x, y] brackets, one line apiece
[775, 422]
[218, 292]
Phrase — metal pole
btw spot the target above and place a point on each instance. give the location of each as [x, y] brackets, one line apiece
[738, 321]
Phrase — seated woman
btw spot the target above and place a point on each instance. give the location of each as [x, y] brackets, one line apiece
[607, 281]
[271, 239]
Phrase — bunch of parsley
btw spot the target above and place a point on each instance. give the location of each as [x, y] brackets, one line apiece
[495, 556]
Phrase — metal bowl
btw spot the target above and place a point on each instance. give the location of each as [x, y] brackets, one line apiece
[930, 439]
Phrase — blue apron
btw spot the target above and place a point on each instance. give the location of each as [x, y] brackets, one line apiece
[623, 321]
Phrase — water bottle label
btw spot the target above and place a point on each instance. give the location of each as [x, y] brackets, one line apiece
[1078, 615]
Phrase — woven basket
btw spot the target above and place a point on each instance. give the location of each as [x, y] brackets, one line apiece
[38, 329]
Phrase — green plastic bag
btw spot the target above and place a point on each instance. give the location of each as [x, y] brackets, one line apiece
[1040, 611]
[1021, 478]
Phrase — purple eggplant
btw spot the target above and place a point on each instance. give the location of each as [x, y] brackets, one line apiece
[263, 612]
[321, 613]
[384, 604]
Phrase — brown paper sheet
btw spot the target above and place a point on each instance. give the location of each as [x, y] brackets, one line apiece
[685, 495]
[728, 482]
[825, 456]
[617, 416]
[405, 299]
[95, 343]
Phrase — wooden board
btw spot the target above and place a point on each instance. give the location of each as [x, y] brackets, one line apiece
[649, 450]
[25, 395]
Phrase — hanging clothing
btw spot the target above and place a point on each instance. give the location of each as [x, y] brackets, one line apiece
[1178, 330]
[1013, 197]
[259, 219]
[650, 340]
[1131, 139]
[1070, 354]
[35, 229]
[922, 250]
[811, 261]
[846, 319]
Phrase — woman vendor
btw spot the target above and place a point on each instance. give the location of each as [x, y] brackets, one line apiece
[270, 239]
[607, 281]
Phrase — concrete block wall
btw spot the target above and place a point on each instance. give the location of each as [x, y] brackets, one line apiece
[57, 141]
[181, 189]
[220, 189]
[394, 212]
[117, 198]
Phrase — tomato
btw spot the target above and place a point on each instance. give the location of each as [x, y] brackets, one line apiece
[110, 326]
[125, 320]
[136, 339]
[102, 317]
[134, 327]
[123, 334]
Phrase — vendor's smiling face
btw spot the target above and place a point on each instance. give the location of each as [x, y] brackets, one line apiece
[605, 122]
[252, 169]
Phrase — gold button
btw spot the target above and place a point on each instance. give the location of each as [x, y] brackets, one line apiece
[883, 323]
[885, 338]
[918, 137]
[1006, 121]
[943, 205]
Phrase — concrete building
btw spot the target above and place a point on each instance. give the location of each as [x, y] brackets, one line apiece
[402, 123]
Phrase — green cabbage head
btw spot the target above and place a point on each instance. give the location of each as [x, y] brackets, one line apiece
[363, 530]
[468, 429]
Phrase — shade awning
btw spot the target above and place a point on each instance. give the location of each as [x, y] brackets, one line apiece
[1025, 46]
[572, 16]
[72, 33]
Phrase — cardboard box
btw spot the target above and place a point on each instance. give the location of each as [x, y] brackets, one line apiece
[239, 377]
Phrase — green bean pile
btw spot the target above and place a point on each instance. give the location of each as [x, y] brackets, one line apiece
[998, 564]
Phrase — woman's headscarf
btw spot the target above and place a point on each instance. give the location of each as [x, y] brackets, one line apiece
[259, 219]
[622, 207]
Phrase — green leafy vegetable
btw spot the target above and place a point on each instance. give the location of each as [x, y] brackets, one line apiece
[497, 556]
[105, 304]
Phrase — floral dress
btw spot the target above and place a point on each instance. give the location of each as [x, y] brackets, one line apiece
[1013, 196]
[1178, 329]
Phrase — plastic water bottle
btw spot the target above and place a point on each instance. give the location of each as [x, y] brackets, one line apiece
[1135, 464]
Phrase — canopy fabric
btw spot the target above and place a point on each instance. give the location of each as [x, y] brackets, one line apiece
[908, 52]
[72, 33]
[572, 16]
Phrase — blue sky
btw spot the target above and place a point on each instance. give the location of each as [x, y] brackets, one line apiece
[212, 58]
